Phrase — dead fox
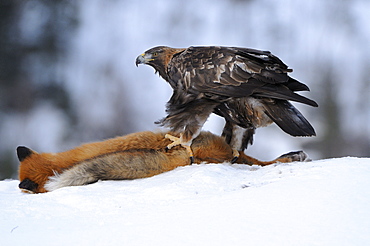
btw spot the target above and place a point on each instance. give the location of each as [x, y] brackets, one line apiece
[137, 155]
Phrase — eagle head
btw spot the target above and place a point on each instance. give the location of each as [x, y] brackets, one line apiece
[151, 56]
[158, 57]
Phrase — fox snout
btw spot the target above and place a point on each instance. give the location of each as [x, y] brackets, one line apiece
[28, 185]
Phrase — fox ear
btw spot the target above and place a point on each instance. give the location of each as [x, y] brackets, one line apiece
[23, 152]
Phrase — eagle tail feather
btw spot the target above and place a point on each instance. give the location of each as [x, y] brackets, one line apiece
[289, 119]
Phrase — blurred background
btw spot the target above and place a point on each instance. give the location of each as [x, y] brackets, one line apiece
[68, 75]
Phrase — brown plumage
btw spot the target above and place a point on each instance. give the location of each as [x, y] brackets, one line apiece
[249, 88]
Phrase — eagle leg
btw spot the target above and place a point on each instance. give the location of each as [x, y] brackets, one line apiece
[177, 141]
[236, 155]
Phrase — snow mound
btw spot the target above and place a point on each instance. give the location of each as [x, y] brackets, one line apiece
[322, 202]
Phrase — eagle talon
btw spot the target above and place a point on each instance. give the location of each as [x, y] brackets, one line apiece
[177, 141]
[236, 155]
[235, 158]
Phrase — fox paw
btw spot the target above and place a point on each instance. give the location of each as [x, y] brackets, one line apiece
[296, 156]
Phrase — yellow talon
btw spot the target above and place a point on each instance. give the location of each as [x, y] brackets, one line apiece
[177, 141]
[236, 155]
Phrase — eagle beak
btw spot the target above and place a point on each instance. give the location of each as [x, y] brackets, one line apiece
[141, 59]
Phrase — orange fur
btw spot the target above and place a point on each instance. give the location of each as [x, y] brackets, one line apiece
[168, 55]
[139, 155]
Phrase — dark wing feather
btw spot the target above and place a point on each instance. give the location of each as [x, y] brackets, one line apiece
[295, 85]
[282, 92]
[234, 72]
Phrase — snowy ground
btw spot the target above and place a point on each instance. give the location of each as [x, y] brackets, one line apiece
[324, 202]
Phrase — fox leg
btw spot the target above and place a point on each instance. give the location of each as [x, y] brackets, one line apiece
[293, 156]
[285, 158]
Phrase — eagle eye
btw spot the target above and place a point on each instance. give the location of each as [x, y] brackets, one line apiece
[155, 53]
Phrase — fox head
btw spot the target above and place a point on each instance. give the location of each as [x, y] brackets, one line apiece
[34, 169]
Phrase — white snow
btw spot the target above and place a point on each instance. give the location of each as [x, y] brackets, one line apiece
[325, 202]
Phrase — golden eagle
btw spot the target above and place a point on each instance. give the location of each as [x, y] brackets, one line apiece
[249, 88]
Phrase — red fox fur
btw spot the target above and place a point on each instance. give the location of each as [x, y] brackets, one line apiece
[137, 155]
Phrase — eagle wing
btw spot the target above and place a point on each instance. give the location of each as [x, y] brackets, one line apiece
[234, 72]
